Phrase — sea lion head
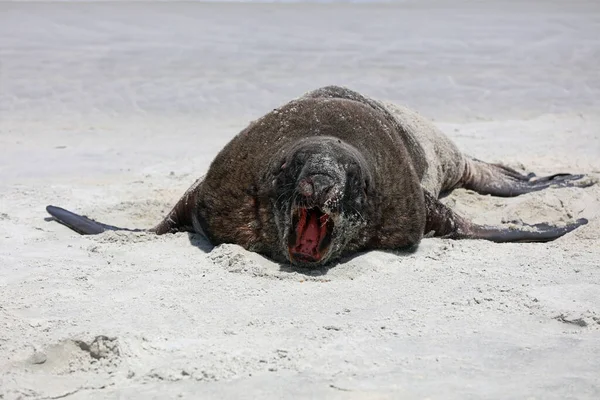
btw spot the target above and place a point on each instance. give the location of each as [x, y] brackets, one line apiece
[320, 195]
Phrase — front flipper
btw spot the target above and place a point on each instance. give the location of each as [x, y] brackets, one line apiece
[502, 181]
[181, 218]
[444, 222]
[80, 224]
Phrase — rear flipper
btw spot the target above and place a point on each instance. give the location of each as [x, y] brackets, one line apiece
[444, 222]
[499, 180]
[82, 225]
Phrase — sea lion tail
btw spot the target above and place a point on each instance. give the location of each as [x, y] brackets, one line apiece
[81, 224]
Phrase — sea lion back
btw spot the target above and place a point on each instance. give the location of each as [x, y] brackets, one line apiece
[439, 164]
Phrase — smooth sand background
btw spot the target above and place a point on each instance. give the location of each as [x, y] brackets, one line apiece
[114, 109]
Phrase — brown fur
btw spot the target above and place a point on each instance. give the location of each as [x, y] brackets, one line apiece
[234, 199]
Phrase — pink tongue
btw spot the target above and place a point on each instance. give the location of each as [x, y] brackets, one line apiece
[309, 239]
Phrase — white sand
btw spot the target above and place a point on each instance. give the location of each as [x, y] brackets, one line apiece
[114, 110]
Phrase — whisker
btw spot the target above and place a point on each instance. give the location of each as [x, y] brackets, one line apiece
[358, 212]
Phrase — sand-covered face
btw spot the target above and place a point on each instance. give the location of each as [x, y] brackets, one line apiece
[320, 195]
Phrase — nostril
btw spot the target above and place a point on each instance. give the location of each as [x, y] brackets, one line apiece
[322, 184]
[305, 187]
[315, 186]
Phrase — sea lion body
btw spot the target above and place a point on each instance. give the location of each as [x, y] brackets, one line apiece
[244, 172]
[335, 172]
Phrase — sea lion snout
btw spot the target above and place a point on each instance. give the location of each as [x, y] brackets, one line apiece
[313, 216]
[317, 189]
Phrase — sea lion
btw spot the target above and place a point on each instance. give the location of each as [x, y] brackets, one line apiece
[335, 172]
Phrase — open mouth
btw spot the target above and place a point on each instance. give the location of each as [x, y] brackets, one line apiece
[310, 236]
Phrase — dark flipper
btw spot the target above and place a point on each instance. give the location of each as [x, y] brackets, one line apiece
[180, 219]
[82, 225]
[499, 180]
[531, 233]
[444, 222]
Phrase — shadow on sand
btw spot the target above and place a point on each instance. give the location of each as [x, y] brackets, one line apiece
[204, 245]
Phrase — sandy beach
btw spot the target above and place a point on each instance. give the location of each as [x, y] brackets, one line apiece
[114, 109]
